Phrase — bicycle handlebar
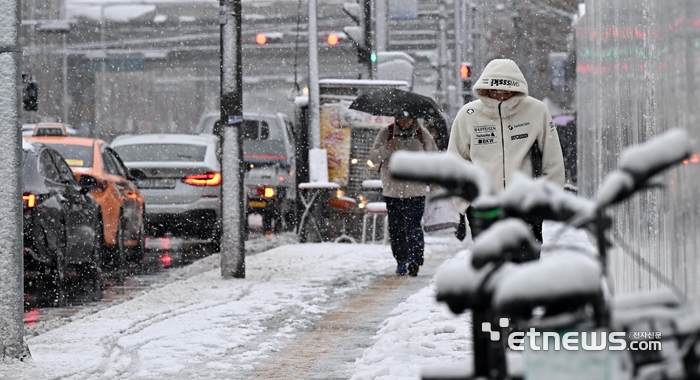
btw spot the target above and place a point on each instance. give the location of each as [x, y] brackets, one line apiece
[527, 198]
[457, 176]
[641, 162]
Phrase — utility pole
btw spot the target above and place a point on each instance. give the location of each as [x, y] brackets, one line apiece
[232, 169]
[469, 12]
[11, 257]
[381, 33]
[101, 104]
[64, 37]
[459, 55]
[314, 98]
[442, 57]
[517, 25]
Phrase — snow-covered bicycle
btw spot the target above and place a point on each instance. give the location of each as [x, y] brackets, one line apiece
[566, 293]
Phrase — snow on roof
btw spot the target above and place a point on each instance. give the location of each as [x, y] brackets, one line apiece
[366, 82]
[164, 138]
[117, 12]
[128, 10]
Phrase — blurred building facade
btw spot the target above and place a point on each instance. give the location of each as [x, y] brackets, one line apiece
[637, 65]
[138, 65]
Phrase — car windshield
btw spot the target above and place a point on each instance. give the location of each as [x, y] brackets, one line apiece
[161, 152]
[75, 155]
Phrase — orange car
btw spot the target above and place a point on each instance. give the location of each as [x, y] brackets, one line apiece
[121, 201]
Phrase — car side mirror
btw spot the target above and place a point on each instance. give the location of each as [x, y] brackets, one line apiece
[87, 182]
[137, 174]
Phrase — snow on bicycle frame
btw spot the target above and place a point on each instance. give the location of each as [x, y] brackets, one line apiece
[524, 198]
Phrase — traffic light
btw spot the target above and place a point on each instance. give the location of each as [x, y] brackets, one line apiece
[267, 38]
[361, 34]
[30, 94]
[465, 74]
[334, 39]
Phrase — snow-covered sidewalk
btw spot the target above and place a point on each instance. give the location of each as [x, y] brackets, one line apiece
[212, 328]
[208, 327]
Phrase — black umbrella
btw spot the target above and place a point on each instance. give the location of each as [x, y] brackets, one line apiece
[395, 102]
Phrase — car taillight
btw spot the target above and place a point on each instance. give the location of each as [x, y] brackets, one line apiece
[267, 192]
[102, 185]
[208, 179]
[29, 200]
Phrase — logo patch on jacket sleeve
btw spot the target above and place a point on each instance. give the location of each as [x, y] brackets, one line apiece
[470, 111]
[519, 137]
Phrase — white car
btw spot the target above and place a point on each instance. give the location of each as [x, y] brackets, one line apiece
[182, 184]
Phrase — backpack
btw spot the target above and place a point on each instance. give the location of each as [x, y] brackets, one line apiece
[420, 135]
[391, 137]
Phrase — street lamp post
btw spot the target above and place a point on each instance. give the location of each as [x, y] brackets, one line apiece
[442, 57]
[64, 37]
[314, 97]
[12, 344]
[231, 120]
[459, 54]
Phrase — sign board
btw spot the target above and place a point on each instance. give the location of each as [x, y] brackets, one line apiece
[119, 64]
[356, 119]
[335, 139]
[403, 9]
[558, 63]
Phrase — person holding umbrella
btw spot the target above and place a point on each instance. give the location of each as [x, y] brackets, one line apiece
[405, 201]
[505, 131]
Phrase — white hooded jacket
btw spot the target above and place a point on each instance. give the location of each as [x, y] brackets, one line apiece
[499, 136]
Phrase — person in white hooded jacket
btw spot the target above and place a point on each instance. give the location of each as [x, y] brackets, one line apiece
[505, 130]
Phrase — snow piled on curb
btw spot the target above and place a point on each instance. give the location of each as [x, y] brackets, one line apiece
[419, 332]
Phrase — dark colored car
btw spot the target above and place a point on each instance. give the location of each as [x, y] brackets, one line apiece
[62, 225]
[122, 203]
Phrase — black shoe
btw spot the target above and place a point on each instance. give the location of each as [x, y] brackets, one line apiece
[461, 232]
[401, 269]
[413, 269]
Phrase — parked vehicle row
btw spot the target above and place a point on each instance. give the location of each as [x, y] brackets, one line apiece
[62, 223]
[82, 210]
[89, 205]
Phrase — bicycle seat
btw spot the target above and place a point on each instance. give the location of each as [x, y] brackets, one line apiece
[556, 283]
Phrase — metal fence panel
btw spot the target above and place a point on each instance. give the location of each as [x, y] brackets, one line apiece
[637, 63]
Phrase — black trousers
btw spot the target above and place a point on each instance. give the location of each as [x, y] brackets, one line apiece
[405, 231]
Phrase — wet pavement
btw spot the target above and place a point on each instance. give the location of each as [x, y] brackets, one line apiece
[163, 254]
